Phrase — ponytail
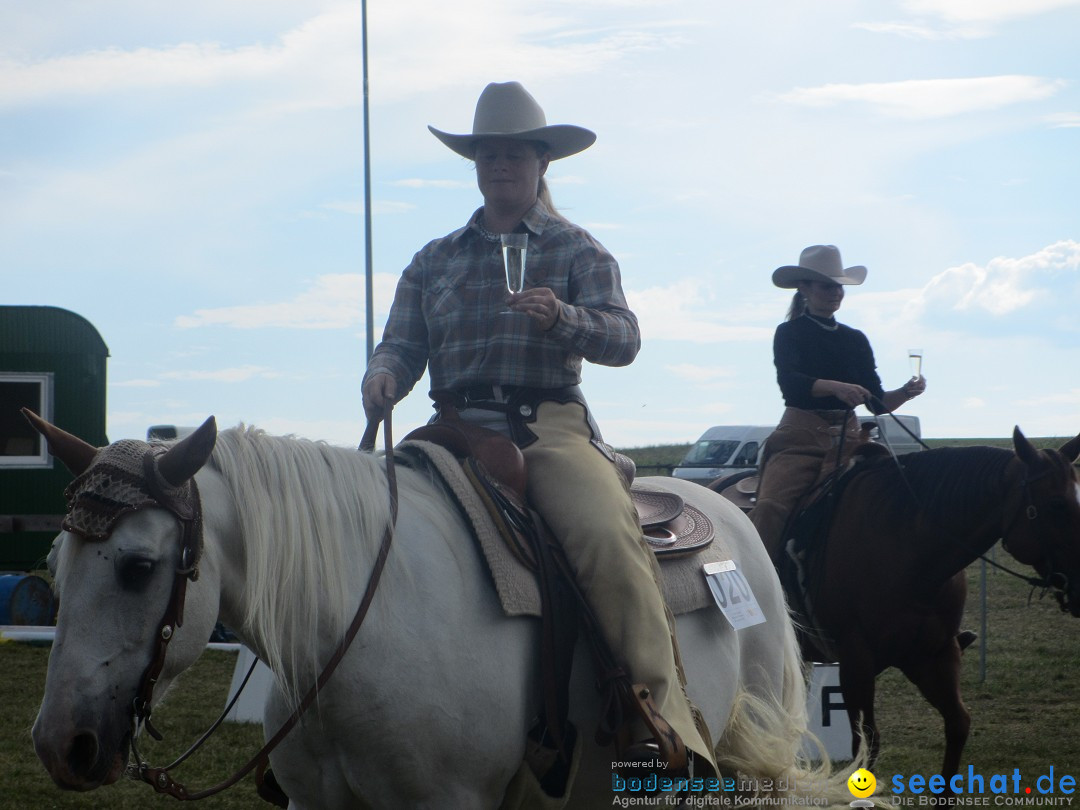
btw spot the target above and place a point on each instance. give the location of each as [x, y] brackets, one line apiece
[798, 306]
[543, 193]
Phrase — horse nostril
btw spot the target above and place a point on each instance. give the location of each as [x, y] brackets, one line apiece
[83, 754]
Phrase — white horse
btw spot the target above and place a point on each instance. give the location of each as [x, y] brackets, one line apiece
[431, 704]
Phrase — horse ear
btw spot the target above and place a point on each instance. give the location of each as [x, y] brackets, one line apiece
[187, 456]
[1071, 449]
[71, 450]
[1024, 449]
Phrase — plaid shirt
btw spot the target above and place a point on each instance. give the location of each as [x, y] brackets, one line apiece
[446, 312]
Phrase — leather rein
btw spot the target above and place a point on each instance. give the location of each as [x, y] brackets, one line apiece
[173, 617]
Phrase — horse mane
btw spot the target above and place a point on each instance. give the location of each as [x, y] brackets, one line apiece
[306, 510]
[952, 480]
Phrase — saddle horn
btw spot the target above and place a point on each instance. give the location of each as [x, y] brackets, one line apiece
[75, 454]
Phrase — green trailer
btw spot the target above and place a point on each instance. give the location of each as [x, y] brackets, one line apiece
[53, 362]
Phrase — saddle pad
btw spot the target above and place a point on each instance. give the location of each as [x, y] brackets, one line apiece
[682, 580]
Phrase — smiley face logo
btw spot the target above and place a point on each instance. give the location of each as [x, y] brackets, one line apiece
[861, 783]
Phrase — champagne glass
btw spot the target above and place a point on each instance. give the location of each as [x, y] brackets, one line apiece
[915, 360]
[514, 247]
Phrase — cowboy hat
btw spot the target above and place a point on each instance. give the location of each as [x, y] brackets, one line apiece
[818, 263]
[508, 111]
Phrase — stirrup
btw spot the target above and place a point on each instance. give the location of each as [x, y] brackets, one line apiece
[666, 745]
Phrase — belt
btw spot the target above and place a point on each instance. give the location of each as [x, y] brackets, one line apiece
[835, 417]
[519, 403]
[501, 397]
[487, 393]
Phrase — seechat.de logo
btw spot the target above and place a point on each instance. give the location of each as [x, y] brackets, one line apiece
[862, 784]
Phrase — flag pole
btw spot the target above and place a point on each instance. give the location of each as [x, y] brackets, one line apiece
[368, 273]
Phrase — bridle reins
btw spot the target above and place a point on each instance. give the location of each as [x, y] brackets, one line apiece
[191, 549]
[1031, 512]
[1028, 509]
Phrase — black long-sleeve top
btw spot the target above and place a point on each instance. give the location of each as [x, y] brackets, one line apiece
[805, 351]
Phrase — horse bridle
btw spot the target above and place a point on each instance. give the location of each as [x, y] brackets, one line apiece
[1031, 512]
[191, 550]
[1028, 509]
[188, 511]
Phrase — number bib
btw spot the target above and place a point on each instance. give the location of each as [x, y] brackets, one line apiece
[733, 594]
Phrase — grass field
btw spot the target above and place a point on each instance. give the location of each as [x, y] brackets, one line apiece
[1024, 713]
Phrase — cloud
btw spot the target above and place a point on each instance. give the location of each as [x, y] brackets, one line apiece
[446, 48]
[929, 98]
[1005, 285]
[1070, 397]
[914, 31]
[962, 19]
[225, 375]
[683, 311]
[333, 302]
[985, 11]
[1064, 120]
[700, 374]
[417, 182]
[140, 383]
[309, 66]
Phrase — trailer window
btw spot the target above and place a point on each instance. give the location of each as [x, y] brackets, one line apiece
[20, 444]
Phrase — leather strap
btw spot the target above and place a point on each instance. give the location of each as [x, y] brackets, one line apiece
[160, 779]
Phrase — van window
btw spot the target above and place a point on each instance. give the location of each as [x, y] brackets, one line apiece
[712, 453]
[747, 456]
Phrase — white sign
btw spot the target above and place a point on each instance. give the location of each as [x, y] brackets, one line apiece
[249, 706]
[827, 715]
[733, 594]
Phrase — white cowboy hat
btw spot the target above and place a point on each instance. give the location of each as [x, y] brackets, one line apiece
[508, 111]
[818, 263]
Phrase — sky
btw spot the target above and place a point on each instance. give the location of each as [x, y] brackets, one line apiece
[190, 178]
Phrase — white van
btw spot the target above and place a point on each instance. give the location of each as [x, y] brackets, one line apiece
[723, 450]
[893, 435]
[728, 449]
[166, 433]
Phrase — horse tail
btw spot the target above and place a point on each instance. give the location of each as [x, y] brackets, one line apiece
[768, 747]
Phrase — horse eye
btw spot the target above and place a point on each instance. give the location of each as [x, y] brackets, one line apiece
[135, 573]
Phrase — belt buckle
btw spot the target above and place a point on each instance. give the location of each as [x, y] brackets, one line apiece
[492, 393]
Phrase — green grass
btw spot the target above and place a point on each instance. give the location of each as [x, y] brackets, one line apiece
[189, 709]
[1023, 714]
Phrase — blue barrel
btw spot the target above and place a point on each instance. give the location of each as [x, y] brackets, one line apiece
[26, 599]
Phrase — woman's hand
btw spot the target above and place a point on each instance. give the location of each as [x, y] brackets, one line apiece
[848, 393]
[536, 302]
[913, 387]
[379, 392]
[909, 390]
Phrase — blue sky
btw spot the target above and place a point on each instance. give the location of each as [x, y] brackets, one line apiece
[190, 179]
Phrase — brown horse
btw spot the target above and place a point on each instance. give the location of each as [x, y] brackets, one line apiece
[885, 586]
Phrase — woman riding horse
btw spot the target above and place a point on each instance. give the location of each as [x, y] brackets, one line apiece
[825, 370]
[520, 373]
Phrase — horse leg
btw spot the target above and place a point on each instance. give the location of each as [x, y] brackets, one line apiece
[938, 679]
[857, 686]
